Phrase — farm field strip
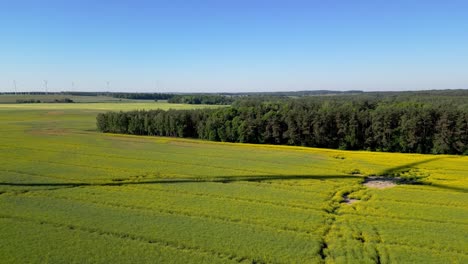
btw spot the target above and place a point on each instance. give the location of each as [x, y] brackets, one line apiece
[247, 189]
[32, 174]
[403, 218]
[154, 162]
[344, 233]
[459, 206]
[113, 170]
[120, 235]
[295, 205]
[304, 186]
[147, 199]
[403, 232]
[167, 227]
[436, 189]
[302, 206]
[420, 196]
[90, 246]
[413, 254]
[167, 151]
[374, 250]
[417, 211]
[266, 224]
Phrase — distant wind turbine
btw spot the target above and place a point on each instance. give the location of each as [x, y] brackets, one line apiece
[45, 86]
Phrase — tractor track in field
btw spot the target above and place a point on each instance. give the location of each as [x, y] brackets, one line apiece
[420, 203]
[292, 188]
[191, 214]
[379, 241]
[332, 214]
[221, 197]
[235, 198]
[402, 218]
[138, 238]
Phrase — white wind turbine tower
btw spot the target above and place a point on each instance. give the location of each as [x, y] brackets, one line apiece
[157, 86]
[45, 85]
[14, 86]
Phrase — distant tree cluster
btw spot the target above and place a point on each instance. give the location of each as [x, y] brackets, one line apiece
[435, 126]
[295, 93]
[33, 101]
[27, 101]
[201, 99]
[133, 96]
[62, 100]
[142, 96]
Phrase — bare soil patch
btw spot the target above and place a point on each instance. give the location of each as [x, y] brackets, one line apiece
[380, 182]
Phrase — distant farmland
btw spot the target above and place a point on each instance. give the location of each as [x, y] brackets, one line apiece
[69, 194]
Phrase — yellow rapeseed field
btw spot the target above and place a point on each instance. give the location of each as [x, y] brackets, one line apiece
[69, 194]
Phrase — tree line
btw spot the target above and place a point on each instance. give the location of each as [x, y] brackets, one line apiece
[132, 96]
[36, 101]
[209, 99]
[171, 98]
[380, 125]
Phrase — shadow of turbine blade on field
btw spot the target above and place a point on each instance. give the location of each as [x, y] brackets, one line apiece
[452, 188]
[251, 178]
[224, 179]
[393, 170]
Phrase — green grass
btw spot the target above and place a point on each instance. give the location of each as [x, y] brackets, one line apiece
[69, 194]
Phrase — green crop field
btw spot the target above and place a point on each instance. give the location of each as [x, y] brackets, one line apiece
[69, 194]
[12, 98]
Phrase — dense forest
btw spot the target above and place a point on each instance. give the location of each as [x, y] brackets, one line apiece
[400, 123]
[210, 99]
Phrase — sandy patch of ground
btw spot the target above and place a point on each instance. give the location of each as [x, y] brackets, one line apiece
[348, 200]
[380, 182]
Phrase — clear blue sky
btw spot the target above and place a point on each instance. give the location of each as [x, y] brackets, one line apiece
[193, 46]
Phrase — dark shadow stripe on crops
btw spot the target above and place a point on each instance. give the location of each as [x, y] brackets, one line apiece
[226, 179]
[446, 187]
[253, 178]
[393, 170]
